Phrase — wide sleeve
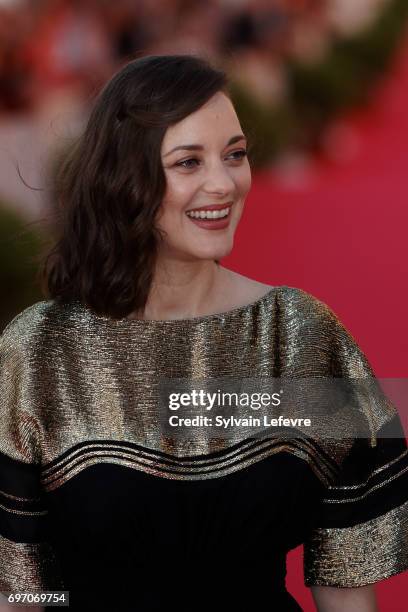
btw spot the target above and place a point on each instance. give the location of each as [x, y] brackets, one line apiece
[359, 533]
[27, 560]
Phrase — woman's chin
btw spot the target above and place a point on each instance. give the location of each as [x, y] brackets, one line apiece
[210, 252]
[216, 250]
[213, 254]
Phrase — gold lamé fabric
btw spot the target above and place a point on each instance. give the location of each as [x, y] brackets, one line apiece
[358, 555]
[79, 389]
[28, 567]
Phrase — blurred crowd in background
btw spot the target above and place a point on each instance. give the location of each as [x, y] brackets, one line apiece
[294, 66]
[51, 46]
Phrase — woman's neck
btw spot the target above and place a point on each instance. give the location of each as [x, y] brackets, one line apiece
[184, 290]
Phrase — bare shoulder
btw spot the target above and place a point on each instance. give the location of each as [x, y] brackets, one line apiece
[243, 288]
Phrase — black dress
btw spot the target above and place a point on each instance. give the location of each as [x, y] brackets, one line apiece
[102, 498]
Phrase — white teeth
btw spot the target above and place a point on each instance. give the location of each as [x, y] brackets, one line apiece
[208, 214]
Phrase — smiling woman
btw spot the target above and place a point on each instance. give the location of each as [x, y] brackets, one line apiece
[210, 193]
[134, 201]
[98, 497]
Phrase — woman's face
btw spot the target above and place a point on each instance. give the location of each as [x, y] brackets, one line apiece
[209, 169]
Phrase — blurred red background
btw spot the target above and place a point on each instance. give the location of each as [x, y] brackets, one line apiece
[339, 231]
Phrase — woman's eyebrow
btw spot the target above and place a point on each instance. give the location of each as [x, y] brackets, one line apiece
[198, 147]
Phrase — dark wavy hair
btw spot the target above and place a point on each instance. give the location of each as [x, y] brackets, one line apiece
[110, 185]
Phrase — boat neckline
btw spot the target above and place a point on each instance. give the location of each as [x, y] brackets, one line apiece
[166, 322]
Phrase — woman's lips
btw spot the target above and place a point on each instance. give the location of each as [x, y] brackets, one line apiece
[213, 224]
[212, 207]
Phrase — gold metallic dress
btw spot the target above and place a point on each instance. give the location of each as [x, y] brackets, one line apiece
[97, 498]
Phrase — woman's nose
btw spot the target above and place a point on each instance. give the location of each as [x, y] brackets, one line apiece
[218, 180]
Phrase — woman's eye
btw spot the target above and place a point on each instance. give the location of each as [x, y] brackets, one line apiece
[184, 164]
[241, 153]
[186, 161]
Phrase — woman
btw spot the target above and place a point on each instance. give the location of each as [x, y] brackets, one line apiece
[102, 498]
